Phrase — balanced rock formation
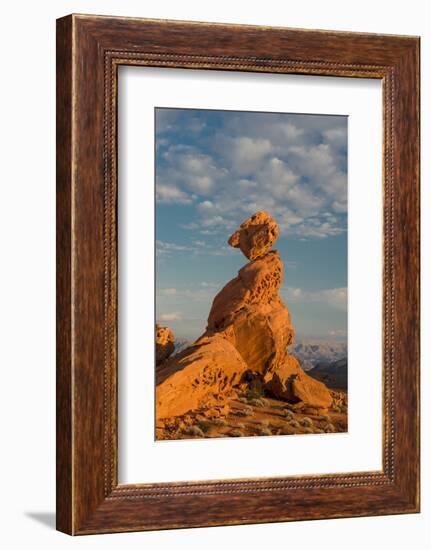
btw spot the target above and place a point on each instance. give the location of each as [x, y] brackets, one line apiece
[255, 236]
[249, 330]
[165, 343]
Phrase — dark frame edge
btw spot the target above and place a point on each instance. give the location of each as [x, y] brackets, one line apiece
[64, 367]
[407, 283]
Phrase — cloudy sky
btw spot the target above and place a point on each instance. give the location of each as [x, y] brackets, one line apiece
[216, 168]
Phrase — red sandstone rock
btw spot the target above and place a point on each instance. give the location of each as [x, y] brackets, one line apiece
[164, 343]
[251, 315]
[255, 235]
[291, 383]
[197, 376]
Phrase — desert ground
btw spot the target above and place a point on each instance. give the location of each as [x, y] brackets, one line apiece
[249, 414]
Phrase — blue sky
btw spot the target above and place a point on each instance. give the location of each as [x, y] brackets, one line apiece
[216, 168]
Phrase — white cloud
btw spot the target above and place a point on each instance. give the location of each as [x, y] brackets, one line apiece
[196, 248]
[317, 229]
[292, 132]
[277, 177]
[171, 194]
[205, 292]
[205, 206]
[189, 167]
[334, 297]
[296, 293]
[168, 291]
[340, 206]
[336, 136]
[190, 226]
[244, 154]
[164, 248]
[247, 184]
[292, 169]
[165, 120]
[215, 220]
[337, 333]
[171, 316]
[200, 184]
[196, 125]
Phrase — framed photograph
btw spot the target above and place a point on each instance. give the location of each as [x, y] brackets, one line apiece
[237, 274]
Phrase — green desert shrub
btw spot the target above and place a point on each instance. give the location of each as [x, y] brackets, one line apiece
[219, 422]
[294, 423]
[259, 403]
[308, 430]
[204, 425]
[256, 392]
[236, 433]
[246, 411]
[243, 399]
[264, 431]
[307, 422]
[329, 428]
[288, 414]
[195, 431]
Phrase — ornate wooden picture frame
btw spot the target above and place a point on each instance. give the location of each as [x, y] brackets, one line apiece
[89, 51]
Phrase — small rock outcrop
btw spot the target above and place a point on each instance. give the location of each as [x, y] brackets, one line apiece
[292, 384]
[165, 343]
[249, 330]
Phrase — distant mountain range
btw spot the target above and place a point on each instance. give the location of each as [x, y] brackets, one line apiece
[181, 344]
[334, 374]
[311, 353]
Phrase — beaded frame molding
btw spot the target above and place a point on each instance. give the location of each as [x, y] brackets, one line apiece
[89, 51]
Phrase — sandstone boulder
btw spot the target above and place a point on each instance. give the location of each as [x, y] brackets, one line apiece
[291, 383]
[164, 343]
[198, 376]
[256, 235]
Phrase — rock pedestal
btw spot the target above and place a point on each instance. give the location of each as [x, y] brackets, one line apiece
[250, 314]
